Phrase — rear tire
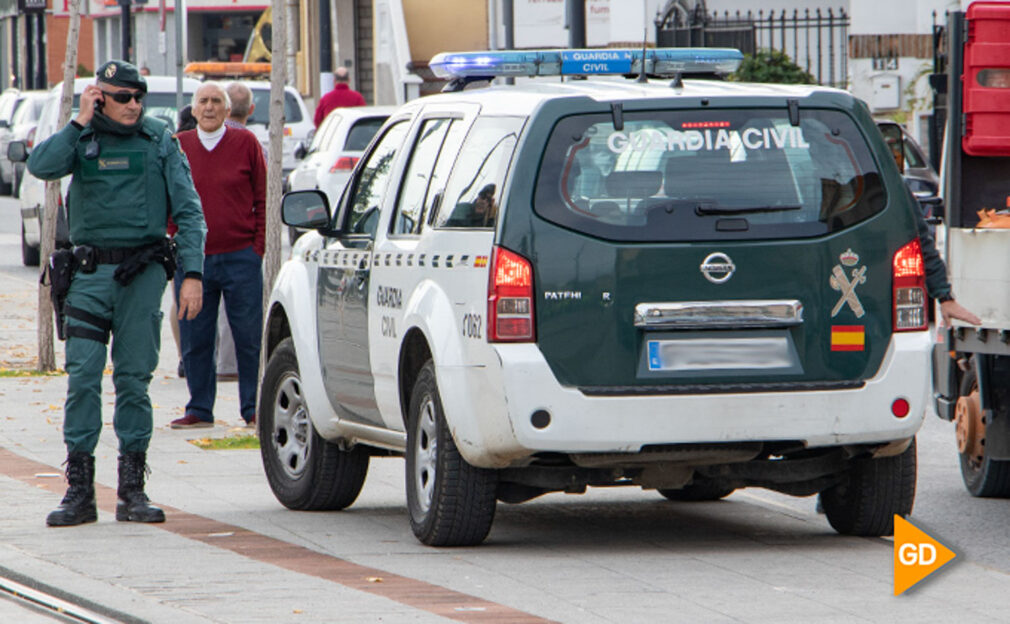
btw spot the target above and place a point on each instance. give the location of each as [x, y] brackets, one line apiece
[451, 503]
[983, 477]
[305, 472]
[872, 492]
[700, 489]
[29, 254]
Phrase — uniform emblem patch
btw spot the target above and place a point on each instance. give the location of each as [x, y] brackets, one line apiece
[841, 282]
[113, 164]
[110, 71]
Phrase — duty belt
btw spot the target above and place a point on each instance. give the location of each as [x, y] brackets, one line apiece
[131, 260]
[116, 255]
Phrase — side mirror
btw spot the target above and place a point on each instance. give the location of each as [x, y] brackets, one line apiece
[895, 139]
[17, 151]
[4, 123]
[306, 209]
[300, 151]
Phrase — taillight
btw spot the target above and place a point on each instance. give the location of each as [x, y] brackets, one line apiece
[344, 163]
[510, 298]
[30, 140]
[909, 288]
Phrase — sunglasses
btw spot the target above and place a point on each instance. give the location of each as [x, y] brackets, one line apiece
[123, 97]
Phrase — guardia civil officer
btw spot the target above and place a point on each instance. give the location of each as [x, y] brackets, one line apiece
[128, 175]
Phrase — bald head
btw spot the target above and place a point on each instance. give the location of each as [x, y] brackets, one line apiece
[341, 74]
[242, 104]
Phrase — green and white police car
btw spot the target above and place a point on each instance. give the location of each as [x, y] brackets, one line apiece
[680, 283]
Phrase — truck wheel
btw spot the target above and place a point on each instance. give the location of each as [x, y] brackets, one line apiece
[700, 489]
[29, 254]
[982, 476]
[872, 491]
[451, 503]
[305, 471]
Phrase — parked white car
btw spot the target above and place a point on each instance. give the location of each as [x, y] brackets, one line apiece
[22, 128]
[298, 126]
[336, 147]
[160, 102]
[8, 103]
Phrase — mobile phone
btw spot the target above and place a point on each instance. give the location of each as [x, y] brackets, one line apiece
[100, 104]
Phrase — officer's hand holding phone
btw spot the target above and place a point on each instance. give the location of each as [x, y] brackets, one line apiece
[92, 99]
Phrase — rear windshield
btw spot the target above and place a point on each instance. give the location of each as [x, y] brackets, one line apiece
[704, 175]
[361, 133]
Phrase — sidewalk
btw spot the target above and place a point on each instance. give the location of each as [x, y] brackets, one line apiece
[230, 553]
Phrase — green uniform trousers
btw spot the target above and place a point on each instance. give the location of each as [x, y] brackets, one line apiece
[135, 314]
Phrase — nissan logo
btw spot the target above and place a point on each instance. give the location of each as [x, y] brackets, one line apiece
[717, 267]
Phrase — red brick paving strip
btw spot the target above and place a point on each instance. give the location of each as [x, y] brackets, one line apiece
[411, 592]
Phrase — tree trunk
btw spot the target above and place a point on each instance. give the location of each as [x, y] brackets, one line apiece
[272, 255]
[278, 78]
[47, 238]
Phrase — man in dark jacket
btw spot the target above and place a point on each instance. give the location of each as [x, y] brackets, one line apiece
[128, 173]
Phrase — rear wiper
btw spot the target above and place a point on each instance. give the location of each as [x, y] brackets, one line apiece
[711, 209]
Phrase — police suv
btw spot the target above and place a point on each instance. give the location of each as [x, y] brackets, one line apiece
[679, 283]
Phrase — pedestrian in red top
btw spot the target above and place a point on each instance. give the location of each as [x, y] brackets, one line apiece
[341, 96]
[230, 176]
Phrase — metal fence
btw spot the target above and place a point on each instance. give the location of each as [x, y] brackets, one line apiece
[815, 40]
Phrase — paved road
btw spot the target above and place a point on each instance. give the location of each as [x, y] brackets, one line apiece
[231, 553]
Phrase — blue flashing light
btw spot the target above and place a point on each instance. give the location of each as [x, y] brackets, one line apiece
[584, 62]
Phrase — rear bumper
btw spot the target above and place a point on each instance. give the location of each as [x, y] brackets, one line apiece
[490, 409]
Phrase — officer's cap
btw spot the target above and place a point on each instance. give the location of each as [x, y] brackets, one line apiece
[121, 74]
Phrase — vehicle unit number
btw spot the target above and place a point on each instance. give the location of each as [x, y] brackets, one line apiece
[472, 325]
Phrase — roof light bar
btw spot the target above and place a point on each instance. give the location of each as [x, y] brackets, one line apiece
[584, 62]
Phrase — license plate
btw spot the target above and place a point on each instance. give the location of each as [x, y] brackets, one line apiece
[712, 354]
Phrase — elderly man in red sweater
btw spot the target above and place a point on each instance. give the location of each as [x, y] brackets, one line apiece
[230, 176]
[341, 96]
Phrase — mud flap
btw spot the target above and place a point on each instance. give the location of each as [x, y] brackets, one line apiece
[996, 405]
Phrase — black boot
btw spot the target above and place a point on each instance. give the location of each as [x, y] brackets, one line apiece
[78, 506]
[133, 505]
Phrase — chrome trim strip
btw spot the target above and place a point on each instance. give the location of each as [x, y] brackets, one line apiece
[748, 314]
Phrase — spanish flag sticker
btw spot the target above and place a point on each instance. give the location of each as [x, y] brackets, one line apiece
[848, 337]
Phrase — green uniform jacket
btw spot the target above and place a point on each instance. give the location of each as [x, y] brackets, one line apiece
[124, 197]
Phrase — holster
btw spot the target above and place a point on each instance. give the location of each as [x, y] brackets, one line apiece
[58, 274]
[162, 252]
